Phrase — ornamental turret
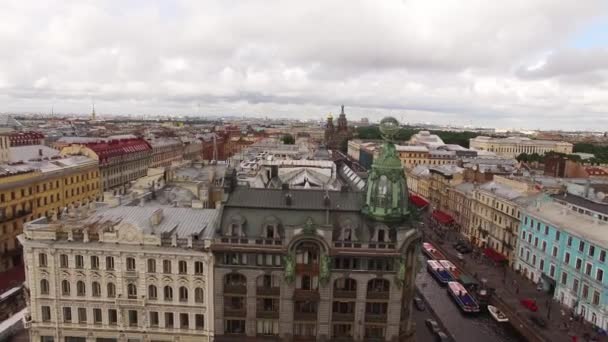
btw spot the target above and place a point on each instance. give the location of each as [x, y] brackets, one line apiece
[386, 199]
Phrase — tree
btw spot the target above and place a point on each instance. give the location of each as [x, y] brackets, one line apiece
[288, 139]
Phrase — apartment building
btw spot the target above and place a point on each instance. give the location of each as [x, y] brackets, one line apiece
[513, 146]
[37, 188]
[126, 273]
[563, 248]
[166, 151]
[496, 210]
[120, 160]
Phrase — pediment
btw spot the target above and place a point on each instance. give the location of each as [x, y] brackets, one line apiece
[129, 234]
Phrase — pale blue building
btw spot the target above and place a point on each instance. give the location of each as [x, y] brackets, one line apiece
[563, 247]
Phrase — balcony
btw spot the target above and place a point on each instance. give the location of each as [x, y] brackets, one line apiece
[267, 314]
[345, 294]
[305, 316]
[378, 294]
[307, 268]
[235, 289]
[268, 291]
[342, 317]
[375, 318]
[231, 312]
[300, 294]
[359, 245]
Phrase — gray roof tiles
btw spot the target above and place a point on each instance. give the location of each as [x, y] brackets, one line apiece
[300, 199]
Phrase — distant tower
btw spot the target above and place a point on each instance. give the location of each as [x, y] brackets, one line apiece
[93, 113]
[342, 123]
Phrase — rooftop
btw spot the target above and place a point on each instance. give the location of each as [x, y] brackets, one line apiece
[580, 225]
[29, 152]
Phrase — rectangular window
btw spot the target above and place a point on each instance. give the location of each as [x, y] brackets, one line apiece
[596, 298]
[546, 230]
[200, 321]
[569, 241]
[585, 293]
[602, 255]
[79, 261]
[599, 275]
[169, 320]
[564, 278]
[588, 268]
[97, 316]
[67, 314]
[153, 319]
[575, 285]
[554, 252]
[591, 250]
[166, 266]
[581, 246]
[567, 258]
[131, 264]
[184, 321]
[46, 313]
[63, 261]
[112, 317]
[579, 264]
[94, 262]
[552, 271]
[544, 246]
[541, 265]
[234, 326]
[133, 318]
[42, 260]
[82, 315]
[110, 263]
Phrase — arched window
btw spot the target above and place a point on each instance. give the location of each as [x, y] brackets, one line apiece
[111, 290]
[168, 291]
[95, 289]
[132, 291]
[81, 289]
[44, 287]
[151, 266]
[183, 294]
[152, 293]
[198, 267]
[199, 295]
[65, 287]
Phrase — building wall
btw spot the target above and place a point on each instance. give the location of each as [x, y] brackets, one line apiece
[121, 277]
[164, 154]
[512, 148]
[542, 254]
[28, 196]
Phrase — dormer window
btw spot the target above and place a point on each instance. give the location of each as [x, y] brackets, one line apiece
[235, 229]
[347, 234]
[381, 235]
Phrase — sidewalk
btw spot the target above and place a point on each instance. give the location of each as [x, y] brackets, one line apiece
[510, 287]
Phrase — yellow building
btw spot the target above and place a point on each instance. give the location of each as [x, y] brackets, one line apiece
[513, 146]
[496, 214]
[33, 189]
[418, 181]
[412, 156]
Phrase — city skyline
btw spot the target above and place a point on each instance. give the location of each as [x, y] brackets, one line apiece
[535, 64]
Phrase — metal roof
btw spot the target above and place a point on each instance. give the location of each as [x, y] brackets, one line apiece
[300, 199]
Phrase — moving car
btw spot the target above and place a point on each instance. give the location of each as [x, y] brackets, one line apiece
[529, 304]
[538, 321]
[440, 336]
[419, 303]
[432, 325]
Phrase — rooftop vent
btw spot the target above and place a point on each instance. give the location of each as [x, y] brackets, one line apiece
[157, 217]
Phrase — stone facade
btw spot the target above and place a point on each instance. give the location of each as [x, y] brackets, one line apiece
[166, 151]
[99, 275]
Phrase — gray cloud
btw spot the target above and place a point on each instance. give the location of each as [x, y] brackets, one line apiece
[440, 60]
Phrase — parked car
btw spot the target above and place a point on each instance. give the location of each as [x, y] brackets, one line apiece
[432, 325]
[529, 304]
[538, 321]
[440, 336]
[464, 249]
[419, 303]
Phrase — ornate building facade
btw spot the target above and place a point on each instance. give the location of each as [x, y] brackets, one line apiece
[315, 265]
[120, 274]
[336, 137]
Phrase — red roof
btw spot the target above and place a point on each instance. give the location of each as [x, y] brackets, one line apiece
[12, 278]
[115, 148]
[494, 255]
[418, 201]
[442, 217]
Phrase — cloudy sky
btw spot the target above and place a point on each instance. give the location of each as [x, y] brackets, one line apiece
[517, 63]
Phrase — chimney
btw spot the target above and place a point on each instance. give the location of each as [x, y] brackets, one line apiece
[587, 186]
[157, 217]
[40, 152]
[326, 200]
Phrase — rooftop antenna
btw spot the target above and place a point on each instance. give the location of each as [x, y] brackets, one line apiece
[93, 110]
